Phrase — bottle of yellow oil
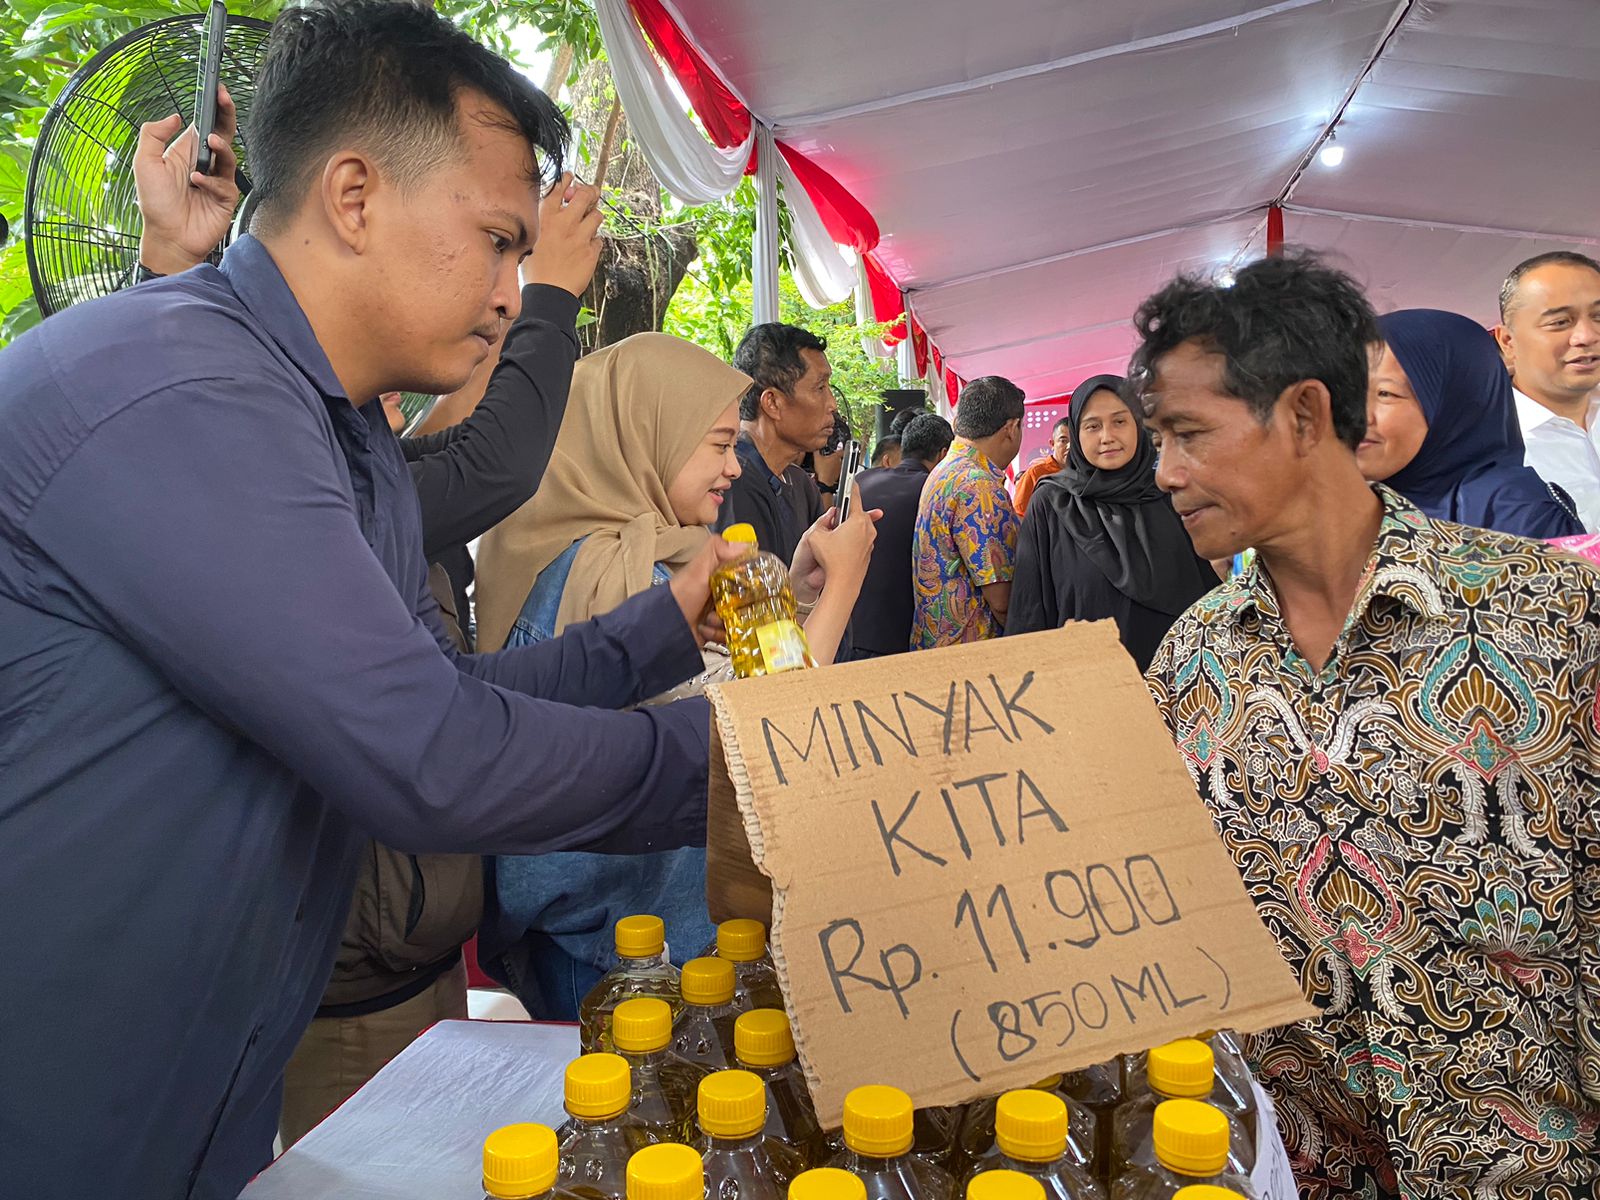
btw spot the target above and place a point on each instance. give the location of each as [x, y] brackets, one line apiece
[753, 597]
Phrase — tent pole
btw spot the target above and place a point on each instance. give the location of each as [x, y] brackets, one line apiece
[764, 253]
[1274, 230]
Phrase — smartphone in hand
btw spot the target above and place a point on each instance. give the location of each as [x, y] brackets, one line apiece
[205, 100]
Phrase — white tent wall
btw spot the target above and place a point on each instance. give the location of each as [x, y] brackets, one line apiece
[1038, 166]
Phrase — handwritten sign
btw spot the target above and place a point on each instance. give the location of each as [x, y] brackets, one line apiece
[983, 864]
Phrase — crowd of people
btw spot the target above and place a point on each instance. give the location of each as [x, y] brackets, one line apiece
[274, 744]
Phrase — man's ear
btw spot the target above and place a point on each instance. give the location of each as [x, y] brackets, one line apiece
[1508, 352]
[1309, 407]
[348, 182]
[769, 402]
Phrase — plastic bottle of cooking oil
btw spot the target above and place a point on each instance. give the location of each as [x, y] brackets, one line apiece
[977, 1137]
[1004, 1185]
[878, 1125]
[663, 1088]
[520, 1162]
[827, 1183]
[1180, 1070]
[702, 1034]
[600, 1135]
[1099, 1090]
[1191, 1147]
[666, 1172]
[1031, 1133]
[1233, 1092]
[764, 1046]
[744, 943]
[741, 1161]
[642, 970]
[753, 597]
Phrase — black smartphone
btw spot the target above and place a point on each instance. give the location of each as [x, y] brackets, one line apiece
[205, 98]
[848, 469]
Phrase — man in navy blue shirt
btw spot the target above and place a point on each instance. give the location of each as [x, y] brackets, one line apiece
[220, 666]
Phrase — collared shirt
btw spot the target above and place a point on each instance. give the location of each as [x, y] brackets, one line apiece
[220, 667]
[780, 507]
[1565, 454]
[1417, 824]
[966, 539]
[1043, 469]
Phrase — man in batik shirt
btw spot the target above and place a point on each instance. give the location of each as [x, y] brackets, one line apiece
[1393, 721]
[964, 550]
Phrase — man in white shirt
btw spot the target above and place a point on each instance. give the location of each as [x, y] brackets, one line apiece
[1549, 334]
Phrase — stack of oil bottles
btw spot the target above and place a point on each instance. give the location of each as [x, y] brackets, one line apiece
[688, 1089]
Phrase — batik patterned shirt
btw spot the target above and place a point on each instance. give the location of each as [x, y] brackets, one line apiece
[966, 539]
[1416, 823]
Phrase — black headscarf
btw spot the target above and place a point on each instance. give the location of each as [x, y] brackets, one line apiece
[1122, 522]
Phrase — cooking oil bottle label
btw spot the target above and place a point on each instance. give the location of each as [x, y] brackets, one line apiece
[783, 646]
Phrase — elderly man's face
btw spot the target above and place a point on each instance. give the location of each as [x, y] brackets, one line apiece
[1227, 472]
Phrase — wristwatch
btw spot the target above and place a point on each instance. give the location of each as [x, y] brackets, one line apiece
[143, 274]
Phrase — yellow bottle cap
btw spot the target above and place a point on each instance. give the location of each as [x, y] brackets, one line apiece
[827, 1183]
[1048, 1084]
[877, 1121]
[1190, 1137]
[598, 1086]
[640, 937]
[1185, 1068]
[519, 1161]
[1206, 1191]
[1004, 1185]
[741, 940]
[667, 1171]
[707, 981]
[762, 1038]
[1031, 1126]
[733, 1104]
[744, 534]
[641, 1026]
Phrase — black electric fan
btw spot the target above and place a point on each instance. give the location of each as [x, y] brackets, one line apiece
[80, 212]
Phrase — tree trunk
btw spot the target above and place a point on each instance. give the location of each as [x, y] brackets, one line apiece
[634, 283]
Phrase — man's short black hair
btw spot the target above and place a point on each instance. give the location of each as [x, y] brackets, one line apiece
[770, 355]
[986, 404]
[898, 423]
[1064, 423]
[1286, 319]
[926, 437]
[385, 75]
[881, 450]
[1513, 283]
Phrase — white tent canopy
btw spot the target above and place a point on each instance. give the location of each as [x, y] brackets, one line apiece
[1039, 166]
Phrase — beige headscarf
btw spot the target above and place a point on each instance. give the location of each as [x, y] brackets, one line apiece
[637, 411]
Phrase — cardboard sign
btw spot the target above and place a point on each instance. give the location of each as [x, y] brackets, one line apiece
[987, 864]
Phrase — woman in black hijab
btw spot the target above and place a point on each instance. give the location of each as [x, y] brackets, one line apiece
[1100, 539]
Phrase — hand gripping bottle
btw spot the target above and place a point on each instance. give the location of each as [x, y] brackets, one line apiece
[702, 1035]
[600, 1135]
[1003, 1185]
[1031, 1137]
[877, 1137]
[977, 1136]
[764, 1046]
[520, 1163]
[1180, 1070]
[741, 1162]
[665, 1172]
[744, 943]
[827, 1183]
[1191, 1147]
[642, 970]
[663, 1088]
[753, 597]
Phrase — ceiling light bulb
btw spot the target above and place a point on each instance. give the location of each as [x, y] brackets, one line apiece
[1332, 154]
[1225, 278]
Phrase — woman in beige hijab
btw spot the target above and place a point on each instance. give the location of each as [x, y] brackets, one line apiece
[640, 470]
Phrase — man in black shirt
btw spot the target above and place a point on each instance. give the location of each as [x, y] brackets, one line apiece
[881, 623]
[787, 413]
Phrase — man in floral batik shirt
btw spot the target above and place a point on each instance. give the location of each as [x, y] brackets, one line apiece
[1393, 721]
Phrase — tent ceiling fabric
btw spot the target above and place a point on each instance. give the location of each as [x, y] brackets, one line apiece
[1038, 166]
